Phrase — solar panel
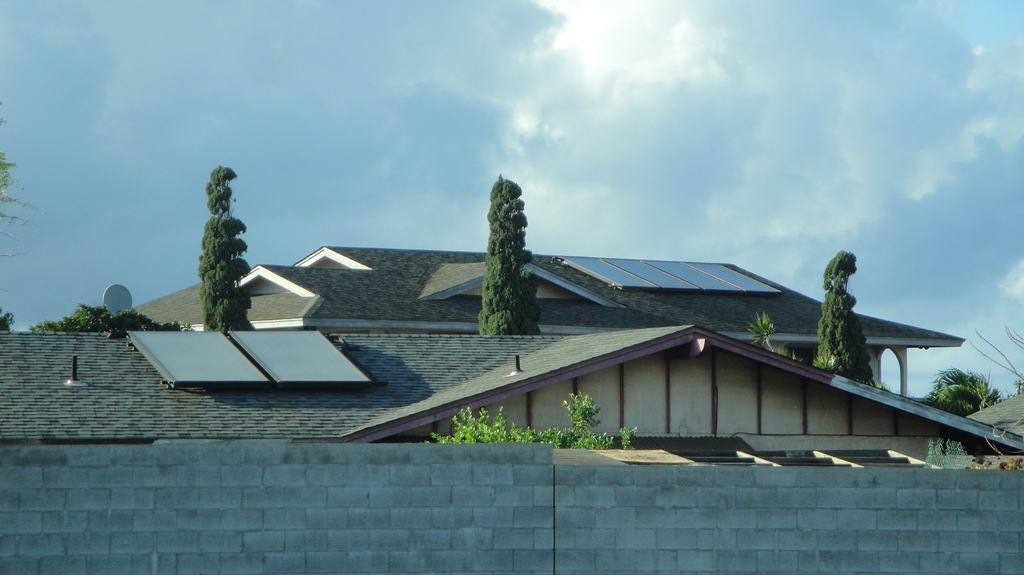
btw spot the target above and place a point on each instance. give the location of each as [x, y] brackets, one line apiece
[607, 272]
[184, 358]
[732, 276]
[696, 277]
[652, 274]
[299, 357]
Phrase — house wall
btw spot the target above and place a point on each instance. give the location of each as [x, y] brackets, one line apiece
[278, 507]
[787, 413]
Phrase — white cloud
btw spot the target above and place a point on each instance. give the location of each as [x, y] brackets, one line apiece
[1013, 282]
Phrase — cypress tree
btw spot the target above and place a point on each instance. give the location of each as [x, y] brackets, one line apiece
[221, 265]
[509, 292]
[841, 343]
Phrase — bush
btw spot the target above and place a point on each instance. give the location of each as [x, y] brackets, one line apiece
[582, 412]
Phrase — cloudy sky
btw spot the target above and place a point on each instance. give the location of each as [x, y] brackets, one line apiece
[766, 134]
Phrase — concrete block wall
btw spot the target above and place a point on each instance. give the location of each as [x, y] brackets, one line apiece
[661, 519]
[275, 507]
[280, 507]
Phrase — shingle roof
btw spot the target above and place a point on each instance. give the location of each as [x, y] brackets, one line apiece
[392, 292]
[1007, 414]
[126, 400]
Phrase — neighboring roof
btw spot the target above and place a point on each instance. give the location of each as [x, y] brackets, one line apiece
[1007, 414]
[184, 306]
[428, 378]
[391, 296]
[126, 401]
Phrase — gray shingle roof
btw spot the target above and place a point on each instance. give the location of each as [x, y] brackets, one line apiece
[1007, 414]
[392, 291]
[126, 400]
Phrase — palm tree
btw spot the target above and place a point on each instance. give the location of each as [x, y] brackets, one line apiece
[961, 392]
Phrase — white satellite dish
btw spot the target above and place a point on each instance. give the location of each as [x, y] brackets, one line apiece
[117, 298]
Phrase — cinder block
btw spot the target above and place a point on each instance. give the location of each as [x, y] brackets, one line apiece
[20, 522]
[173, 498]
[733, 476]
[241, 519]
[899, 519]
[198, 519]
[636, 496]
[513, 495]
[796, 497]
[368, 518]
[837, 540]
[532, 560]
[796, 540]
[21, 564]
[1011, 563]
[108, 565]
[513, 538]
[64, 522]
[917, 541]
[533, 517]
[776, 518]
[856, 519]
[533, 474]
[289, 475]
[673, 496]
[331, 474]
[389, 496]
[736, 560]
[473, 538]
[87, 455]
[110, 520]
[441, 495]
[87, 543]
[1009, 520]
[126, 498]
[543, 496]
[450, 517]
[574, 475]
[718, 497]
[942, 562]
[736, 517]
[427, 538]
[21, 477]
[109, 477]
[329, 518]
[199, 475]
[177, 541]
[131, 543]
[367, 475]
[1001, 542]
[493, 517]
[778, 561]
[837, 497]
[756, 539]
[284, 519]
[595, 495]
[979, 521]
[348, 496]
[978, 563]
[41, 500]
[575, 559]
[327, 562]
[40, 544]
[62, 565]
[635, 538]
[574, 517]
[266, 540]
[624, 517]
[156, 520]
[348, 539]
[868, 540]
[239, 563]
[154, 476]
[196, 563]
[305, 540]
[370, 561]
[267, 452]
[691, 560]
[915, 498]
[675, 538]
[816, 519]
[284, 563]
[220, 542]
[63, 477]
[451, 474]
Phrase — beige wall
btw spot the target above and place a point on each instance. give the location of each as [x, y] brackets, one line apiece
[828, 410]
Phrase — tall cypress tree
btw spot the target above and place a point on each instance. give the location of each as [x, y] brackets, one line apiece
[509, 292]
[221, 265]
[841, 342]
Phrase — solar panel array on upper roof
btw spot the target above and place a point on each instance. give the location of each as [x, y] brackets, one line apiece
[667, 275]
[210, 358]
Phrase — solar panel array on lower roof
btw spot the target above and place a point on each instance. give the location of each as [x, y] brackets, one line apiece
[667, 275]
[208, 358]
[299, 357]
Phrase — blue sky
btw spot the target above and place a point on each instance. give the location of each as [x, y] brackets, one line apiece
[767, 134]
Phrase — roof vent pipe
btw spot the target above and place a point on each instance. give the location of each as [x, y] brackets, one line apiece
[517, 370]
[74, 374]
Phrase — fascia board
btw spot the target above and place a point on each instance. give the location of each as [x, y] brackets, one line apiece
[907, 405]
[784, 338]
[260, 272]
[325, 253]
[430, 326]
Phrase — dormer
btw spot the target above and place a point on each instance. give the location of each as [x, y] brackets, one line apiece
[325, 257]
[467, 279]
[262, 281]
